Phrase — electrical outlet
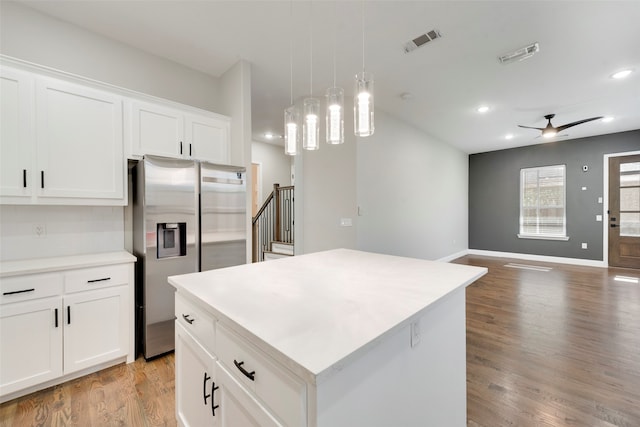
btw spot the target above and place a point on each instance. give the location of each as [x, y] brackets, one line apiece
[415, 334]
[40, 230]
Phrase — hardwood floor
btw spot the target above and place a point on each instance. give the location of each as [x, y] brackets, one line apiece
[141, 394]
[556, 348]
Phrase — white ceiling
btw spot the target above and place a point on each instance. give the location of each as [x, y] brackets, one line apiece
[581, 44]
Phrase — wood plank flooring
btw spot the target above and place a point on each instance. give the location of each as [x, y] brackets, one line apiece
[141, 394]
[557, 348]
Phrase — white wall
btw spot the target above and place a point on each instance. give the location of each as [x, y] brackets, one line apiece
[412, 193]
[69, 230]
[274, 165]
[32, 36]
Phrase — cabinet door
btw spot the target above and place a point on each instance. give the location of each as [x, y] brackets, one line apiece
[96, 327]
[196, 388]
[207, 138]
[238, 407]
[157, 130]
[79, 142]
[16, 133]
[30, 343]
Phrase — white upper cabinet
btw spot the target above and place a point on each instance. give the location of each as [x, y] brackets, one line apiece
[61, 142]
[16, 133]
[79, 142]
[172, 132]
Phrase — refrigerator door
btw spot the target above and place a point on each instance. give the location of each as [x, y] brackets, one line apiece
[166, 241]
[223, 216]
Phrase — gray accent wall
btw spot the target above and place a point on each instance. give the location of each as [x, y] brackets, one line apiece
[494, 192]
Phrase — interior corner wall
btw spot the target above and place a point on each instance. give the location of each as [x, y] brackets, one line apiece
[31, 36]
[412, 193]
[275, 167]
[325, 187]
[494, 195]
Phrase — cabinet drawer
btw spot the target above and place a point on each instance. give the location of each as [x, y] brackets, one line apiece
[95, 278]
[282, 393]
[29, 287]
[197, 322]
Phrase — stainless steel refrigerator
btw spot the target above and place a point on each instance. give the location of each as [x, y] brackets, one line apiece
[187, 217]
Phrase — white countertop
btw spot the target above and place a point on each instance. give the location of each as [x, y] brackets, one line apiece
[47, 265]
[323, 308]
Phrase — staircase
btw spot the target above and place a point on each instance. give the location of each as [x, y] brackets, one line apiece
[272, 227]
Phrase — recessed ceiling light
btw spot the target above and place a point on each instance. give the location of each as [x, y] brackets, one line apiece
[482, 109]
[621, 74]
[508, 136]
[607, 119]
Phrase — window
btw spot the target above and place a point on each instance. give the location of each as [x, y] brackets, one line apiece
[542, 203]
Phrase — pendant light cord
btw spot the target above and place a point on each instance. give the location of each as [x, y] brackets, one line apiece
[291, 51]
[363, 35]
[311, 49]
[335, 38]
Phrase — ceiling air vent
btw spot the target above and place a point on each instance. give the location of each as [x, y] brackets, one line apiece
[520, 54]
[421, 40]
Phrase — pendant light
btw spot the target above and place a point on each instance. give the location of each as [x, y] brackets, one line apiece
[363, 99]
[311, 107]
[291, 115]
[335, 105]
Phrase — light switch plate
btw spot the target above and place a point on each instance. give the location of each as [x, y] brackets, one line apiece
[584, 246]
[599, 218]
[346, 222]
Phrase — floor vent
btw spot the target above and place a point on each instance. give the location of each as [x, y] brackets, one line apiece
[529, 267]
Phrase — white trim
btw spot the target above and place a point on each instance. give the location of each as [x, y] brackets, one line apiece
[542, 237]
[543, 258]
[451, 257]
[605, 202]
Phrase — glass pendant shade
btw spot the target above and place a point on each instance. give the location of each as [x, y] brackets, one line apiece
[335, 115]
[291, 131]
[363, 105]
[311, 127]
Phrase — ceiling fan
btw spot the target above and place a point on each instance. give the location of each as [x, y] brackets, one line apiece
[550, 131]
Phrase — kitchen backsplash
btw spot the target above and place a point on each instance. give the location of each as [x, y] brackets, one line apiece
[48, 231]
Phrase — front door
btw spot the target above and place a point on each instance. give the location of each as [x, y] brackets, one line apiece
[624, 211]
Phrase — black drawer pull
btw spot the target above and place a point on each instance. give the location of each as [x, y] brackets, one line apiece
[213, 407]
[187, 319]
[251, 375]
[613, 225]
[19, 292]
[204, 389]
[104, 279]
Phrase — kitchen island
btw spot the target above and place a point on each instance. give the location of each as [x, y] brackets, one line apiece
[335, 338]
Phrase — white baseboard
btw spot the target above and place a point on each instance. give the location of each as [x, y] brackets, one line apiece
[542, 258]
[451, 257]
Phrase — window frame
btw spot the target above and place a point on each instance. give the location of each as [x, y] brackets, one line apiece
[539, 236]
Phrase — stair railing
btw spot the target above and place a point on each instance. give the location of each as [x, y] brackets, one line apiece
[274, 221]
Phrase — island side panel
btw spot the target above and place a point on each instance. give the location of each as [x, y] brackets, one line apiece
[395, 384]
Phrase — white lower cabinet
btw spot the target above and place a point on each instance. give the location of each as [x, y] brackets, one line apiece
[30, 343]
[55, 325]
[197, 389]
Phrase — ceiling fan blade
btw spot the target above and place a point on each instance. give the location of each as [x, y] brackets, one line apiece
[529, 127]
[568, 125]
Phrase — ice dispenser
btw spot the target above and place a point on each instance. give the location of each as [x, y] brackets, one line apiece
[172, 239]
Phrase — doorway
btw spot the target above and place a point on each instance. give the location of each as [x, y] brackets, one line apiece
[624, 211]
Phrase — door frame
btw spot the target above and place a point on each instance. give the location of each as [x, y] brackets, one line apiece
[605, 201]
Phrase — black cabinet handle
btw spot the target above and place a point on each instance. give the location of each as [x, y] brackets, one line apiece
[104, 279]
[68, 315]
[213, 407]
[187, 319]
[56, 316]
[204, 388]
[24, 178]
[41, 179]
[180, 147]
[189, 149]
[613, 225]
[22, 291]
[251, 375]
